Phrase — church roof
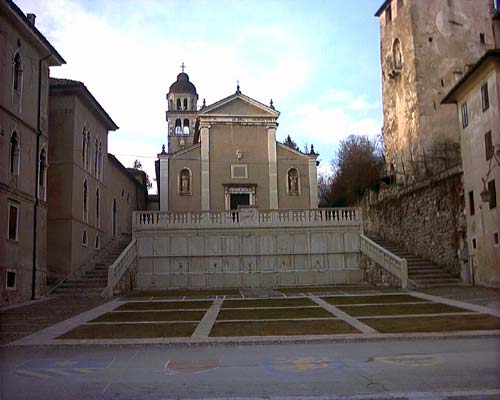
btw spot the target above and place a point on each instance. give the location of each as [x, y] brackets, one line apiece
[182, 85]
[238, 95]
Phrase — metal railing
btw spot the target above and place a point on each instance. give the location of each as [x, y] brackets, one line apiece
[390, 262]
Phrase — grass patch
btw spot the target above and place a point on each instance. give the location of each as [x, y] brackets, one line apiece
[130, 331]
[401, 309]
[322, 289]
[166, 305]
[393, 298]
[434, 324]
[302, 301]
[151, 316]
[184, 292]
[282, 328]
[275, 313]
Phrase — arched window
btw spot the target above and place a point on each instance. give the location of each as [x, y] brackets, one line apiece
[42, 172]
[84, 148]
[113, 218]
[293, 182]
[96, 157]
[185, 104]
[185, 181]
[14, 154]
[87, 160]
[185, 127]
[85, 201]
[100, 165]
[179, 107]
[97, 208]
[97, 244]
[178, 127]
[171, 104]
[397, 58]
[18, 72]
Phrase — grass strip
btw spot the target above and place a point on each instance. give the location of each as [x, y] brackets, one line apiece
[434, 324]
[274, 313]
[151, 316]
[166, 305]
[281, 302]
[130, 331]
[282, 328]
[400, 309]
[184, 292]
[375, 299]
[320, 289]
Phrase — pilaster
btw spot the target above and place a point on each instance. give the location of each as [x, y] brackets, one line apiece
[205, 167]
[313, 181]
[273, 168]
[164, 181]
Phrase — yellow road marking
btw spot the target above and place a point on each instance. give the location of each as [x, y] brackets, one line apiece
[423, 360]
[31, 373]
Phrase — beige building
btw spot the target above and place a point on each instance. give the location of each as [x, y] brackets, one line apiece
[477, 97]
[91, 194]
[226, 156]
[25, 58]
[426, 48]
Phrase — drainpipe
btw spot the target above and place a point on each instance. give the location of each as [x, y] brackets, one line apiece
[37, 199]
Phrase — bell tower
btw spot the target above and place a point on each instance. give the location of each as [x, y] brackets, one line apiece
[182, 112]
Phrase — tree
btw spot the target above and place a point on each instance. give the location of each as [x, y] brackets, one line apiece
[358, 166]
[290, 143]
[138, 166]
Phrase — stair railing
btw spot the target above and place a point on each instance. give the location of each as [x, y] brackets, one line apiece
[390, 262]
[120, 267]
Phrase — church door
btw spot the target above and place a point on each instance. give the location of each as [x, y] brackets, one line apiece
[239, 199]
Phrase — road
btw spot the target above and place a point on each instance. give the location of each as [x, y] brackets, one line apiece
[437, 369]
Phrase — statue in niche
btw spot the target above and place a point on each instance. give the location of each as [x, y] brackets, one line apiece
[293, 181]
[185, 181]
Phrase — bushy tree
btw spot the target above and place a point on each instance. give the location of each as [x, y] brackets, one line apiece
[290, 143]
[358, 165]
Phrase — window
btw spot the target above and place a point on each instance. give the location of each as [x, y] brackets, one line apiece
[397, 60]
[42, 168]
[185, 104]
[100, 166]
[84, 238]
[179, 107]
[472, 209]
[97, 244]
[84, 147]
[113, 218]
[488, 146]
[474, 243]
[293, 182]
[87, 159]
[178, 127]
[186, 127]
[184, 183]
[14, 154]
[13, 222]
[85, 201]
[96, 157]
[482, 39]
[485, 98]
[388, 14]
[495, 239]
[97, 208]
[465, 116]
[18, 73]
[492, 191]
[10, 280]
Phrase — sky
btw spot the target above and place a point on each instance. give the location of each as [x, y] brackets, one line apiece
[318, 60]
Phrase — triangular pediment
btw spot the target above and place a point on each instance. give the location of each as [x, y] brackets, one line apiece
[239, 105]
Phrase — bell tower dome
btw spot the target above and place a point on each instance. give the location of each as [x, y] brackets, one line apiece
[182, 112]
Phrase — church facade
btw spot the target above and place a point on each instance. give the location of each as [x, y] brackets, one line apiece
[225, 156]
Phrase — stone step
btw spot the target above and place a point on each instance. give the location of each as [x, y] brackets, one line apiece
[424, 269]
[436, 281]
[435, 275]
[83, 285]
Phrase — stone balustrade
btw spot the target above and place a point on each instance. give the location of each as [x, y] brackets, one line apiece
[120, 273]
[247, 217]
[395, 265]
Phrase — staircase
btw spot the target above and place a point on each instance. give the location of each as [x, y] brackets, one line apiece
[421, 273]
[93, 281]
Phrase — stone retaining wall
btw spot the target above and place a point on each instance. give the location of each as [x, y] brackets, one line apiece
[376, 275]
[425, 218]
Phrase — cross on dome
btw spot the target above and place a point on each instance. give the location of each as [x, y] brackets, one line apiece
[183, 66]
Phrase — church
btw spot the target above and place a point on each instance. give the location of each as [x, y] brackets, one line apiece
[225, 156]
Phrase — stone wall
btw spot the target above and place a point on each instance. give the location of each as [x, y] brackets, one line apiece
[425, 218]
[376, 275]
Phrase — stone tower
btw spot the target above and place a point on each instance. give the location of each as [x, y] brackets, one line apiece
[182, 112]
[426, 47]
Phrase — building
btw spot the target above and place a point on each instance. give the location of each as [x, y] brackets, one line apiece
[225, 155]
[477, 96]
[25, 59]
[91, 194]
[426, 47]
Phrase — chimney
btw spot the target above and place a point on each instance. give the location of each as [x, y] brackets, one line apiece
[31, 18]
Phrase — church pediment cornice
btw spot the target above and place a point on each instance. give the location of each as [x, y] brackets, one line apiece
[217, 109]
